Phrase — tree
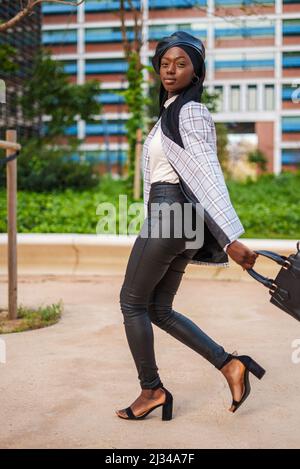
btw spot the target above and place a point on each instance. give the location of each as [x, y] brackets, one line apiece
[47, 162]
[7, 63]
[134, 96]
[28, 8]
[259, 158]
[50, 93]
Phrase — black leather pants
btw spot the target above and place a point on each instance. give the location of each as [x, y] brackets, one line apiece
[153, 275]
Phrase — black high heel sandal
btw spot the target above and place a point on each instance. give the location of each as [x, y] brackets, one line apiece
[167, 409]
[252, 366]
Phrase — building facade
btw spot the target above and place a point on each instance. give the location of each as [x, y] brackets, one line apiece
[19, 44]
[253, 61]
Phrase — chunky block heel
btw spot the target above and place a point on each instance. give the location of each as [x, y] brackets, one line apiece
[256, 369]
[250, 366]
[167, 409]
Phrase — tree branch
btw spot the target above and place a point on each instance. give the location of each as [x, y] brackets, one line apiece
[136, 27]
[29, 8]
[126, 44]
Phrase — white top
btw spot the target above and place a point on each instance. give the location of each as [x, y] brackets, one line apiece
[160, 168]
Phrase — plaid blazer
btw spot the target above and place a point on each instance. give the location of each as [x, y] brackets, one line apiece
[201, 179]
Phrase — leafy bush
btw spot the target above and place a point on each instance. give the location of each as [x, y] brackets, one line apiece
[258, 157]
[67, 211]
[41, 170]
[268, 208]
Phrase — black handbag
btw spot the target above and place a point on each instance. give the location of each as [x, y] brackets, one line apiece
[285, 288]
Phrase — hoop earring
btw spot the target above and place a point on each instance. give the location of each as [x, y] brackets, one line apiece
[197, 79]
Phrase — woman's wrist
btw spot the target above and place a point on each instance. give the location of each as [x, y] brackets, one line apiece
[228, 245]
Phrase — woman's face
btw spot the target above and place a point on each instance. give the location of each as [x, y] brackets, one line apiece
[176, 70]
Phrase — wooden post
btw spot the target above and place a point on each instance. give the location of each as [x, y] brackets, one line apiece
[11, 136]
[137, 166]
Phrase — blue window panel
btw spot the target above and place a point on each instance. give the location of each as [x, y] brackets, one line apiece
[290, 156]
[291, 29]
[105, 129]
[290, 1]
[244, 64]
[72, 130]
[245, 32]
[114, 36]
[71, 69]
[108, 6]
[175, 3]
[288, 91]
[290, 124]
[110, 98]
[243, 2]
[105, 67]
[291, 62]
[287, 94]
[157, 35]
[153, 4]
[102, 156]
[51, 8]
[60, 37]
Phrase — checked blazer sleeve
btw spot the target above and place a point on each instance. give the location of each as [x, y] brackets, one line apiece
[202, 168]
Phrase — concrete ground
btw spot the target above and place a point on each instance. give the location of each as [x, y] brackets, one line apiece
[60, 385]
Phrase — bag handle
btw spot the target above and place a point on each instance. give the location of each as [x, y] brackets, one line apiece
[268, 282]
[281, 260]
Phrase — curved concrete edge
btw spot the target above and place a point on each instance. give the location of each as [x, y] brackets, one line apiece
[66, 238]
[88, 254]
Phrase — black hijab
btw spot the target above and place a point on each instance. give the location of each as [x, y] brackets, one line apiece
[196, 51]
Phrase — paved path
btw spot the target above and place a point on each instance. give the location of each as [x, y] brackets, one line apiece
[60, 385]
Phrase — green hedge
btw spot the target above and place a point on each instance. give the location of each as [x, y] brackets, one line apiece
[268, 208]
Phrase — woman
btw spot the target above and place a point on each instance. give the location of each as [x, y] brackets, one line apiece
[180, 166]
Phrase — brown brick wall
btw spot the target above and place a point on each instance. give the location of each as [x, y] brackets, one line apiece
[104, 47]
[265, 134]
[101, 140]
[267, 41]
[291, 72]
[294, 8]
[290, 105]
[105, 77]
[62, 49]
[291, 136]
[234, 11]
[244, 74]
[168, 13]
[59, 19]
[115, 108]
[291, 40]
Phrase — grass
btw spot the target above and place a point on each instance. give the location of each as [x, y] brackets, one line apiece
[28, 318]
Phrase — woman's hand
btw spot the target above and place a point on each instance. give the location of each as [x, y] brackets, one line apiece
[241, 254]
